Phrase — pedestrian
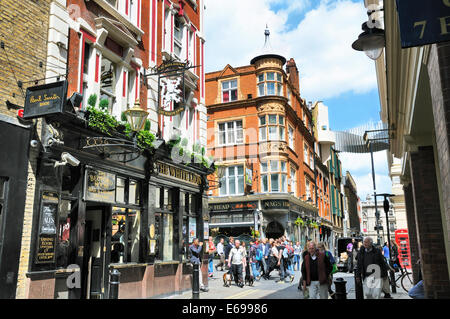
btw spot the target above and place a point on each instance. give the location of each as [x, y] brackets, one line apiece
[297, 251]
[370, 269]
[195, 251]
[252, 259]
[316, 269]
[265, 247]
[386, 289]
[324, 249]
[221, 253]
[273, 258]
[395, 257]
[386, 252]
[211, 252]
[237, 262]
[228, 248]
[349, 249]
[285, 254]
[304, 252]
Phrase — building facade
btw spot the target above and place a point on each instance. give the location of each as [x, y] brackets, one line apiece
[18, 164]
[106, 198]
[412, 86]
[260, 130]
[352, 222]
[369, 221]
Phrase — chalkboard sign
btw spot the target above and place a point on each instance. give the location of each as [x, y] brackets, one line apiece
[100, 186]
[47, 229]
[46, 249]
[45, 99]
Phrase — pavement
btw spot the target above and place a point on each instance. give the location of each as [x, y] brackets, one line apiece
[270, 289]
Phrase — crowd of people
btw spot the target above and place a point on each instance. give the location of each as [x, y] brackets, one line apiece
[315, 262]
[263, 257]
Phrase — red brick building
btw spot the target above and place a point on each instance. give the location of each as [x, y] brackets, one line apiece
[260, 129]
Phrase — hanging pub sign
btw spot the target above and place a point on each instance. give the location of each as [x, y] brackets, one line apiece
[171, 86]
[45, 99]
[423, 22]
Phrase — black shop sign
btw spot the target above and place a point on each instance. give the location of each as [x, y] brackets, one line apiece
[46, 99]
[100, 186]
[423, 22]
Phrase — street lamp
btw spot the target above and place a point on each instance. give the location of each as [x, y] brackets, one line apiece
[136, 117]
[371, 41]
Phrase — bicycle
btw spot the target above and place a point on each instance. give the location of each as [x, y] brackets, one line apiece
[406, 278]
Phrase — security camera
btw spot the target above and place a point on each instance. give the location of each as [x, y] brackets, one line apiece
[34, 143]
[66, 157]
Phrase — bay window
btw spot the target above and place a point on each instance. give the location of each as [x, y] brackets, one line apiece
[232, 183]
[269, 83]
[271, 127]
[274, 176]
[231, 133]
[229, 91]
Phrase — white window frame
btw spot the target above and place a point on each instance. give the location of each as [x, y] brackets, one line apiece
[278, 130]
[225, 181]
[293, 182]
[235, 130]
[229, 90]
[291, 133]
[280, 172]
[264, 81]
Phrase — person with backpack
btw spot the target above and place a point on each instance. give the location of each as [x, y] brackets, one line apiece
[252, 259]
[283, 257]
[324, 249]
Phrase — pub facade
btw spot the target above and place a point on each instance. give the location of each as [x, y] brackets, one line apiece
[112, 190]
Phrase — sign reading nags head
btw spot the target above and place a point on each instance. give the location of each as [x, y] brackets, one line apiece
[423, 22]
[45, 99]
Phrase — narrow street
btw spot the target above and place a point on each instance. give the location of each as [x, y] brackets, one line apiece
[269, 289]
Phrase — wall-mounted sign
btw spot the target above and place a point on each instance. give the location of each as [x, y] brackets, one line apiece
[233, 206]
[248, 177]
[45, 99]
[100, 186]
[46, 249]
[178, 173]
[192, 229]
[275, 204]
[423, 22]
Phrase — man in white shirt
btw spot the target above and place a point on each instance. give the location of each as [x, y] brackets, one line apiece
[221, 252]
[236, 260]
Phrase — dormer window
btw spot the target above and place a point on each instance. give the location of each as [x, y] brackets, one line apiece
[229, 91]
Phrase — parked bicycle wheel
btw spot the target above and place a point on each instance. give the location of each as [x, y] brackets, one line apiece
[407, 281]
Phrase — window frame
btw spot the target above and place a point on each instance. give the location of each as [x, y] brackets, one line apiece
[235, 130]
[229, 90]
[282, 176]
[263, 83]
[225, 181]
[278, 130]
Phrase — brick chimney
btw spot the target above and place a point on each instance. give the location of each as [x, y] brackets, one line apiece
[292, 71]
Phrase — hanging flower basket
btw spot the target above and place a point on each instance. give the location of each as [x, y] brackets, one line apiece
[299, 222]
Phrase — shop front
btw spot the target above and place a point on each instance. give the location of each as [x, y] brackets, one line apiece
[102, 204]
[262, 216]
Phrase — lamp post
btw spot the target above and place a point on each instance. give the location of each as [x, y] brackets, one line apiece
[386, 207]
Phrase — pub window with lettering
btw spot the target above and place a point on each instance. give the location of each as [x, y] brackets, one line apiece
[126, 222]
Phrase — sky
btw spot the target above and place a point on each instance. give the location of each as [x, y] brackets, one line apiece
[318, 34]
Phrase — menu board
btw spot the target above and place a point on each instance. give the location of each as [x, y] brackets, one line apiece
[46, 249]
[100, 186]
[46, 242]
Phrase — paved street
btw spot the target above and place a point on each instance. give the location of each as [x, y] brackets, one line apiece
[269, 289]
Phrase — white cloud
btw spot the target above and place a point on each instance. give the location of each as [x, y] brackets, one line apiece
[320, 44]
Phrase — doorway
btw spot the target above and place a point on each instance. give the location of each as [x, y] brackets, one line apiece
[96, 253]
[274, 230]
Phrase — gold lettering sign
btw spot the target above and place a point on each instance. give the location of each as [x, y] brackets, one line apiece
[178, 173]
